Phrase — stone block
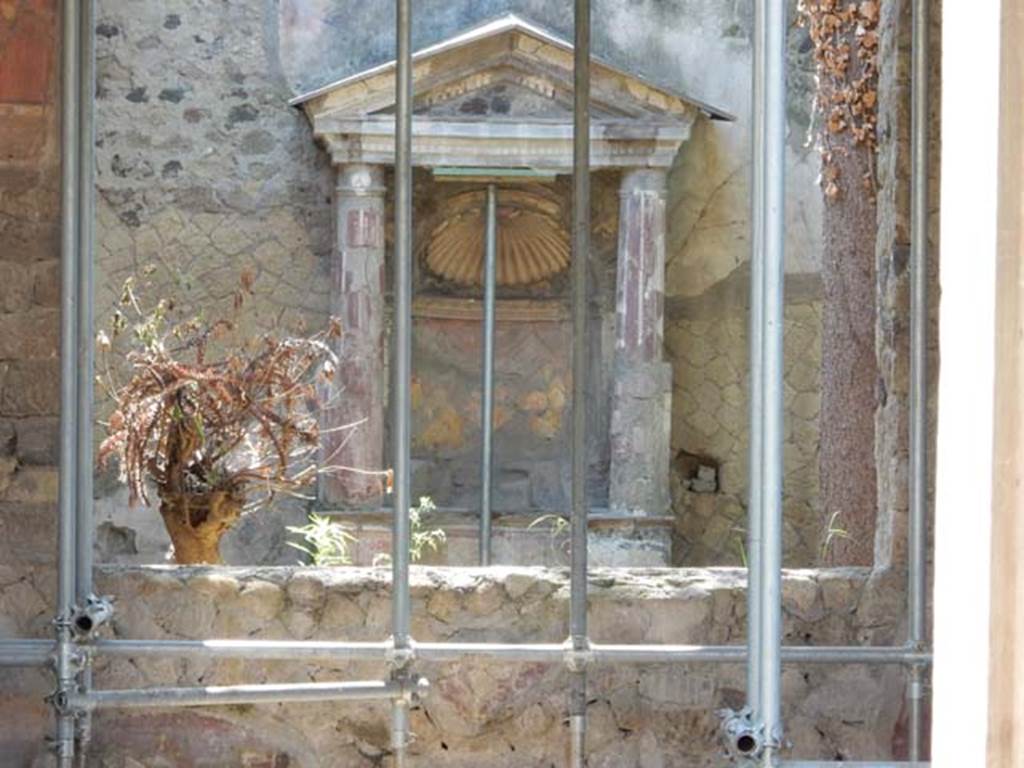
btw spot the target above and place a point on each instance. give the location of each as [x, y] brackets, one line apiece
[27, 239]
[8, 432]
[46, 277]
[32, 485]
[23, 132]
[262, 600]
[28, 533]
[37, 440]
[30, 388]
[15, 287]
[26, 718]
[221, 587]
[306, 590]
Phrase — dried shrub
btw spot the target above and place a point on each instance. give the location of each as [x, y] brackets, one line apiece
[218, 426]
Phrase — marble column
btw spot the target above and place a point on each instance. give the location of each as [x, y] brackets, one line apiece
[642, 382]
[357, 300]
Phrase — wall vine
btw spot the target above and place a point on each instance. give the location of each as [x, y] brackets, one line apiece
[845, 39]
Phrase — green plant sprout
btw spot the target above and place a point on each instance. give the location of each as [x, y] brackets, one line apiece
[741, 546]
[324, 540]
[558, 528]
[832, 532]
[420, 539]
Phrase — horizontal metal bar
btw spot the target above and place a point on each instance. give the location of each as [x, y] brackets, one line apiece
[826, 764]
[277, 650]
[540, 653]
[25, 659]
[245, 694]
[855, 654]
[305, 650]
[665, 654]
[26, 653]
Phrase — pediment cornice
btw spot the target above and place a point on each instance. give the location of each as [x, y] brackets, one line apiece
[500, 95]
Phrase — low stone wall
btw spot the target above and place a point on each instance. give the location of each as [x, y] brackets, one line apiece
[482, 713]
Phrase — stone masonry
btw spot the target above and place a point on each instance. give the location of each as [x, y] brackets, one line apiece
[29, 344]
[505, 715]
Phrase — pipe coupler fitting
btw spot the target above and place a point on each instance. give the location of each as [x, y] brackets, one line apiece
[744, 739]
[416, 690]
[400, 657]
[578, 654]
[90, 616]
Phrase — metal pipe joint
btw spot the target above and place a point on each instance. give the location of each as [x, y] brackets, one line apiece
[88, 616]
[743, 738]
[400, 657]
[578, 653]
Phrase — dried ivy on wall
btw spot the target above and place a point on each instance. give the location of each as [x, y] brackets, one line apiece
[845, 39]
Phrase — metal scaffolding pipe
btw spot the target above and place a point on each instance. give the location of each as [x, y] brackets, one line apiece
[487, 404]
[756, 446]
[403, 327]
[64, 746]
[400, 433]
[271, 693]
[26, 653]
[580, 339]
[538, 653]
[24, 658]
[772, 110]
[552, 653]
[84, 522]
[69, 311]
[276, 650]
[85, 356]
[918, 405]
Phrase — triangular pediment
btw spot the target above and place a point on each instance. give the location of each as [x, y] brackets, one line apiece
[505, 81]
[504, 93]
[510, 51]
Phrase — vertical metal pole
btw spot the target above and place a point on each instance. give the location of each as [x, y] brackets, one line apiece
[400, 434]
[64, 742]
[487, 406]
[580, 266]
[84, 525]
[756, 448]
[84, 436]
[773, 108]
[918, 491]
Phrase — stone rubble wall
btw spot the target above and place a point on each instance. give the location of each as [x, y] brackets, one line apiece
[507, 715]
[29, 349]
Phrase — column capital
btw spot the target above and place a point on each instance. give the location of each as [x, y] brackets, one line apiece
[643, 181]
[359, 179]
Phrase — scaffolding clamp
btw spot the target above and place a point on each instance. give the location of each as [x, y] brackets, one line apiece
[578, 654]
[414, 690]
[90, 615]
[743, 738]
[400, 657]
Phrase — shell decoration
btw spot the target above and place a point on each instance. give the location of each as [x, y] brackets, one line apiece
[533, 245]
